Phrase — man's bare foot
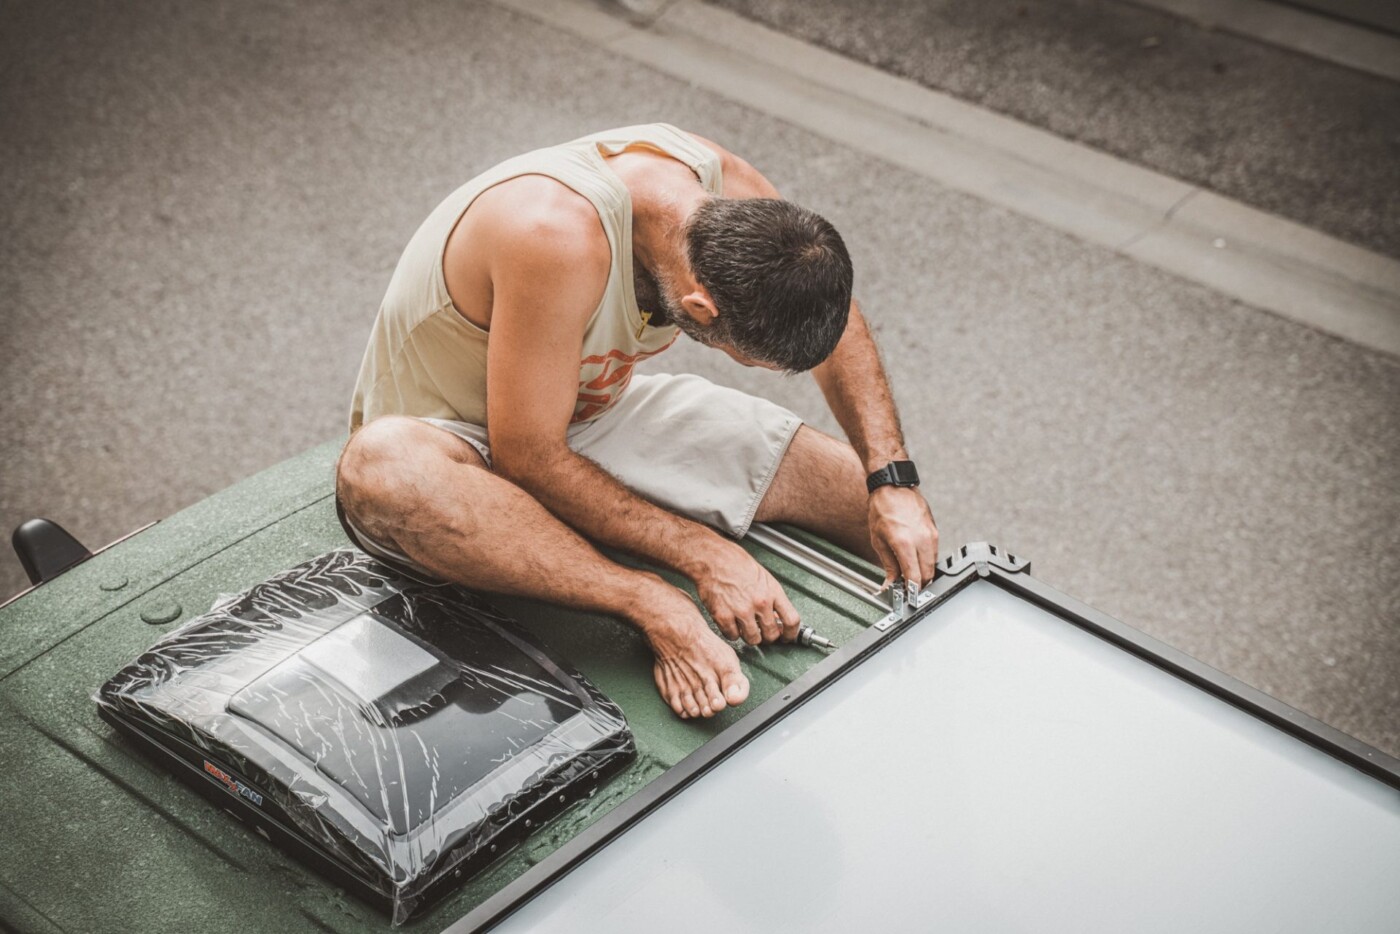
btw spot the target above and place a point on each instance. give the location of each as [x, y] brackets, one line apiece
[696, 671]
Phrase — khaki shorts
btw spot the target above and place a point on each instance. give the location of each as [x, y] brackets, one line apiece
[702, 451]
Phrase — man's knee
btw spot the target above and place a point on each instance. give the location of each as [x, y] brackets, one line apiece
[819, 474]
[388, 462]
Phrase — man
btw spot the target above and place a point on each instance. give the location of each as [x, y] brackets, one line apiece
[497, 423]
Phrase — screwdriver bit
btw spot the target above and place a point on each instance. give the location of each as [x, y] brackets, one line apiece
[806, 635]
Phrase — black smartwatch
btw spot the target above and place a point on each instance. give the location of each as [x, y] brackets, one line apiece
[895, 473]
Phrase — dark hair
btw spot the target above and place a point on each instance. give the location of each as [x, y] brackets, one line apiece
[780, 277]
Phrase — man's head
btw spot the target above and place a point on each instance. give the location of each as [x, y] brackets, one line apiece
[775, 282]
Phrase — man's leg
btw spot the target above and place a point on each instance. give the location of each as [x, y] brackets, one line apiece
[427, 494]
[820, 487]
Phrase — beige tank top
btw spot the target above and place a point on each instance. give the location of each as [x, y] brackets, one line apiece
[425, 359]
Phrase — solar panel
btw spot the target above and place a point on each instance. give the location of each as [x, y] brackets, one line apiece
[997, 768]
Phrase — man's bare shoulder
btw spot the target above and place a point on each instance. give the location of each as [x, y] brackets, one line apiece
[537, 212]
[548, 243]
[741, 180]
[530, 243]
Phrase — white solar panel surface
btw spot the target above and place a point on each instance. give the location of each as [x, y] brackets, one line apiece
[999, 769]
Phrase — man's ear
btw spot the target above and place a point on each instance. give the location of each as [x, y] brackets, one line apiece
[700, 306]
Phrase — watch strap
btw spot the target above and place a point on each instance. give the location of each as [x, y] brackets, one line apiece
[895, 473]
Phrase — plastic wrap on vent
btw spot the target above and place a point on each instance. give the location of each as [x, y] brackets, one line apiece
[398, 735]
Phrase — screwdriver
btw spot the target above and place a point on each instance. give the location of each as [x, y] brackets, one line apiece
[806, 635]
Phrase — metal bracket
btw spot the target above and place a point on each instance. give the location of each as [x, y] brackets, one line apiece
[906, 604]
[979, 555]
[982, 555]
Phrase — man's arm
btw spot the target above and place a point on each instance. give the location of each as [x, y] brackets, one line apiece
[855, 386]
[853, 381]
[548, 274]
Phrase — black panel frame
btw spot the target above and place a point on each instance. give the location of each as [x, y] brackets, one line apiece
[539, 877]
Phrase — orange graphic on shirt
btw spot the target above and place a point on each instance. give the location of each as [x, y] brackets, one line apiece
[602, 377]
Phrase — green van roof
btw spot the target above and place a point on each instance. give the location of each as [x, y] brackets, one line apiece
[97, 837]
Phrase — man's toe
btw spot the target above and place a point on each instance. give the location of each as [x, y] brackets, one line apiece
[736, 689]
[712, 693]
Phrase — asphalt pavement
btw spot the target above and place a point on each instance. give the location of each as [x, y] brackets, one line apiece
[1310, 140]
[203, 204]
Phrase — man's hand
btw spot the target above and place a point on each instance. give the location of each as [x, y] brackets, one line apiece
[903, 534]
[745, 601]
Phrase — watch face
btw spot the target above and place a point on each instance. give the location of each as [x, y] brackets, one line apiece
[903, 473]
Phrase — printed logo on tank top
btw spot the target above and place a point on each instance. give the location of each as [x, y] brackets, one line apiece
[603, 377]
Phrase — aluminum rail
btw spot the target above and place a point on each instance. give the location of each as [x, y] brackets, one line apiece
[814, 562]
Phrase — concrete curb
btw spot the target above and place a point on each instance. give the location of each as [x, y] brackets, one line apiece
[1291, 28]
[1261, 259]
